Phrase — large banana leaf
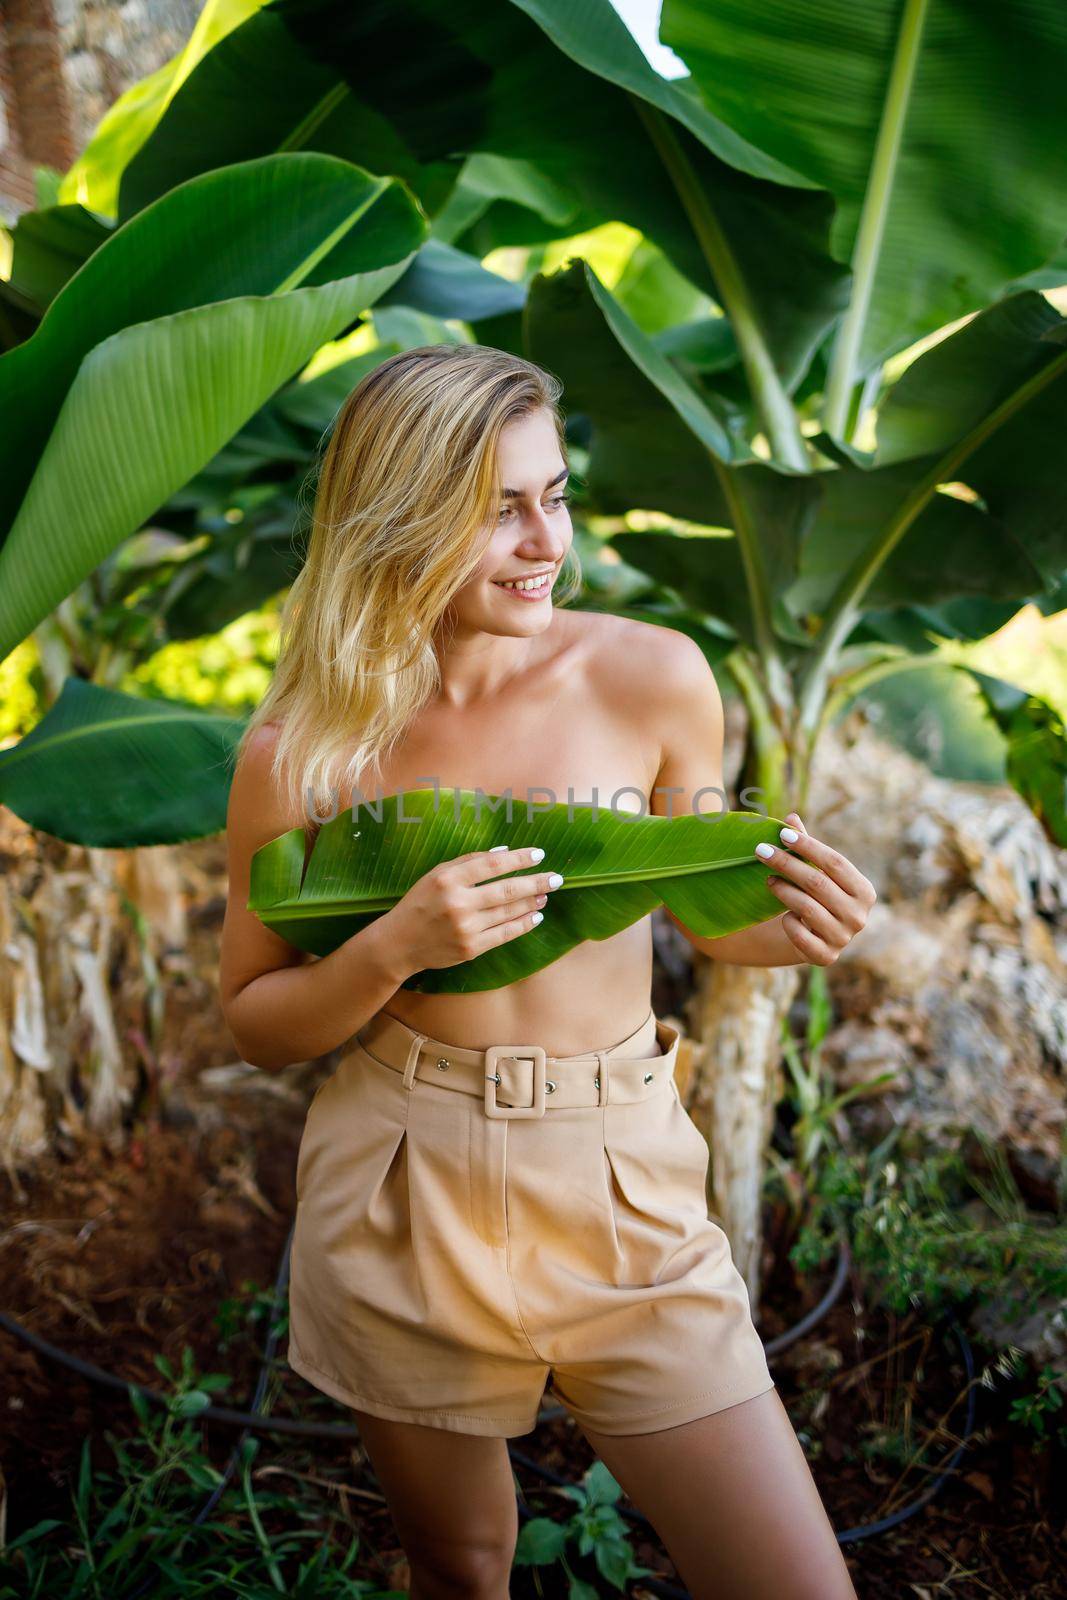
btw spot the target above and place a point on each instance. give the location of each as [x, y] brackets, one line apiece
[48, 246]
[917, 629]
[938, 128]
[115, 770]
[991, 401]
[616, 868]
[173, 333]
[444, 282]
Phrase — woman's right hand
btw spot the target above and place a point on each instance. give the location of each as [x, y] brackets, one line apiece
[451, 914]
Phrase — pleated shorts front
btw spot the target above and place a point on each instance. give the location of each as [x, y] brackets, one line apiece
[447, 1266]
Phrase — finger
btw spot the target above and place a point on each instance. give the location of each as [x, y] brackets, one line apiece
[497, 916]
[815, 882]
[510, 891]
[817, 918]
[480, 865]
[828, 906]
[515, 925]
[811, 947]
[821, 860]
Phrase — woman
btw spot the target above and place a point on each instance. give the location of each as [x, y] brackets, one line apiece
[462, 1236]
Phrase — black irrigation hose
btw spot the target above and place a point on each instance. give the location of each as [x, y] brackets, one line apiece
[782, 1341]
[257, 1421]
[866, 1530]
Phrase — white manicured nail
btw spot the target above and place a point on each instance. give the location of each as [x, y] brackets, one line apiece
[538, 916]
[789, 836]
[554, 880]
[765, 850]
[537, 854]
[497, 847]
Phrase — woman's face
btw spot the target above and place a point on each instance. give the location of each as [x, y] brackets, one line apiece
[532, 534]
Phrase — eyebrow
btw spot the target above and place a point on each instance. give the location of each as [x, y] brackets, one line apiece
[516, 494]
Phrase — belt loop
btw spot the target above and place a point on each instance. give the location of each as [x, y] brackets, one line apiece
[413, 1060]
[601, 1079]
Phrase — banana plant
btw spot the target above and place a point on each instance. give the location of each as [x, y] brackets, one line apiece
[791, 223]
[616, 867]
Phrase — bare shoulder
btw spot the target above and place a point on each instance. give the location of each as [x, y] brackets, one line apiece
[257, 801]
[651, 665]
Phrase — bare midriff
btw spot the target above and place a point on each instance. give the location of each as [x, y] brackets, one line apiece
[562, 724]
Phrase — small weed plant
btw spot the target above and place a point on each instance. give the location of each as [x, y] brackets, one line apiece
[594, 1528]
[946, 1230]
[132, 1528]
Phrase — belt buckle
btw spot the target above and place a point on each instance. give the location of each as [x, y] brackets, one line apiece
[520, 1052]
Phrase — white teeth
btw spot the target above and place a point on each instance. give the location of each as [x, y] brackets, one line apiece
[526, 583]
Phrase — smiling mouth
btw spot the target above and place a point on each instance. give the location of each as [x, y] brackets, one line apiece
[531, 586]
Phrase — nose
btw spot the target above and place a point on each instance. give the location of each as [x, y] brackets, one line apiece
[541, 538]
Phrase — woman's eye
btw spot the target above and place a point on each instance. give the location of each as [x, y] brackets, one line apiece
[557, 500]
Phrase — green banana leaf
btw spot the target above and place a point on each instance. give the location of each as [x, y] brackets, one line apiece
[94, 177]
[117, 770]
[166, 341]
[48, 246]
[990, 403]
[616, 869]
[445, 282]
[1036, 759]
[937, 127]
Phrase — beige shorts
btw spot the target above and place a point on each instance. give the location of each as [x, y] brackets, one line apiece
[473, 1224]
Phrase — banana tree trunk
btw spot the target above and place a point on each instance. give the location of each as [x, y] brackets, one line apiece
[80, 940]
[74, 931]
[24, 1057]
[69, 950]
[736, 1013]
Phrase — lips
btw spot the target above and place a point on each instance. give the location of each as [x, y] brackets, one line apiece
[531, 596]
[536, 593]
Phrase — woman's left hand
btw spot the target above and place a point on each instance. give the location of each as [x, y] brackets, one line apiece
[828, 897]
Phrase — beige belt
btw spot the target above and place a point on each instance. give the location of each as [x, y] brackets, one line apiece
[520, 1080]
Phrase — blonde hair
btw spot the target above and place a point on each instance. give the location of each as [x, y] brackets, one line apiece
[405, 503]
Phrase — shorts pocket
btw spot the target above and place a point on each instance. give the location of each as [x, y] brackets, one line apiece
[355, 1129]
[655, 1168]
[688, 1130]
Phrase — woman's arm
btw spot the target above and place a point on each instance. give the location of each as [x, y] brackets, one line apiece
[827, 897]
[280, 1004]
[765, 945]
